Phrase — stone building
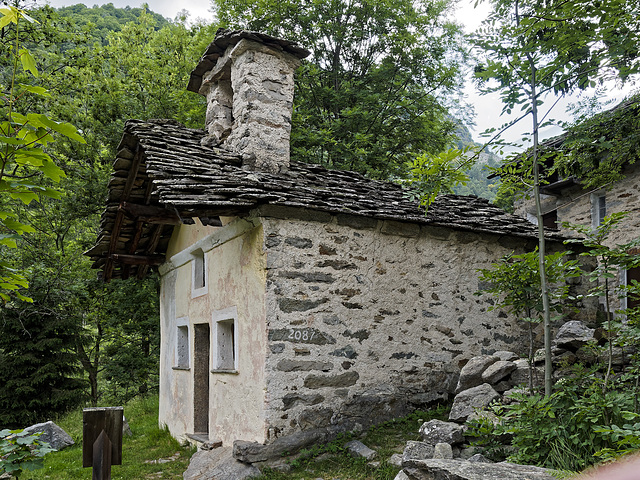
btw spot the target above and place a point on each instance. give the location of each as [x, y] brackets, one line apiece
[296, 302]
[567, 200]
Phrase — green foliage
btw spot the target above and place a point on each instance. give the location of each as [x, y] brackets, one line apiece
[24, 163]
[20, 451]
[431, 175]
[332, 460]
[570, 429]
[610, 260]
[514, 281]
[80, 338]
[597, 148]
[102, 20]
[371, 97]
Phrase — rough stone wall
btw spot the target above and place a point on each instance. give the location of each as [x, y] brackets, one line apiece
[250, 102]
[574, 206]
[369, 322]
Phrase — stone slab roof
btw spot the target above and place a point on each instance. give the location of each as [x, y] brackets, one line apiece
[163, 177]
[225, 38]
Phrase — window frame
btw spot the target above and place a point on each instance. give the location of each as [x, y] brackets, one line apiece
[183, 341]
[199, 273]
[221, 319]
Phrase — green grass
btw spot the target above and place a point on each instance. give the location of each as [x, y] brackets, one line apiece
[148, 443]
[332, 460]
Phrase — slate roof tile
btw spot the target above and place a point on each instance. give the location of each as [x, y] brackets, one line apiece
[171, 169]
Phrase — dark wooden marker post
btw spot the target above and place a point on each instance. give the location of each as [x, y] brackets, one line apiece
[102, 440]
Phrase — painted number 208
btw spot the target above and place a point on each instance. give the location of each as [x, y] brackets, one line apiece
[304, 335]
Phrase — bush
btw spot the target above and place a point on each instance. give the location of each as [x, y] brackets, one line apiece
[21, 451]
[570, 430]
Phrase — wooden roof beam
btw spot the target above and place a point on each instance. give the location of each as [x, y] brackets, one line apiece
[150, 214]
[148, 260]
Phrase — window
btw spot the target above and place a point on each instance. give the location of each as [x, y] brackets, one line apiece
[598, 209]
[630, 275]
[225, 342]
[550, 220]
[199, 277]
[182, 344]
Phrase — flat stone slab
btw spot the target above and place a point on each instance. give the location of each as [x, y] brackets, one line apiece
[218, 464]
[470, 400]
[358, 449]
[436, 469]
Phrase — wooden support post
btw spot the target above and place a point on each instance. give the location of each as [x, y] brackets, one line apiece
[102, 457]
[102, 440]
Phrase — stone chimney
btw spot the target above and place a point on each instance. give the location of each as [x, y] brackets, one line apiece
[247, 78]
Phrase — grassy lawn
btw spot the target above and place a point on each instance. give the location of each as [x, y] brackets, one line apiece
[140, 452]
[149, 444]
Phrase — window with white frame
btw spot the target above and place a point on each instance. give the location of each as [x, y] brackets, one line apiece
[225, 340]
[199, 272]
[598, 208]
[182, 344]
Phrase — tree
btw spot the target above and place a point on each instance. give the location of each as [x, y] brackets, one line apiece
[372, 95]
[533, 48]
[80, 338]
[515, 282]
[23, 135]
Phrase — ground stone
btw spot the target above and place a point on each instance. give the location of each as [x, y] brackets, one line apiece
[506, 355]
[360, 450]
[443, 450]
[573, 335]
[468, 401]
[218, 464]
[55, 436]
[498, 371]
[471, 373]
[417, 451]
[437, 431]
[436, 469]
[395, 460]
[479, 458]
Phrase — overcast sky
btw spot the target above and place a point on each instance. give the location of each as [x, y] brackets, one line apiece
[487, 108]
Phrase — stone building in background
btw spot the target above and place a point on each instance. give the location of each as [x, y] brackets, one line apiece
[296, 302]
[568, 200]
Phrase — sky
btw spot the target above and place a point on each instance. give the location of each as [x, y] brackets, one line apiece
[487, 107]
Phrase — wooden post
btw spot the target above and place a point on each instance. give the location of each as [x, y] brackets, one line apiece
[102, 440]
[102, 457]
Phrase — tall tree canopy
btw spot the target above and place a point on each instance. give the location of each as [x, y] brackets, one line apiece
[372, 95]
[533, 47]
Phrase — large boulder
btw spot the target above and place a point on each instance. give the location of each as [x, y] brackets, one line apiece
[573, 335]
[55, 436]
[417, 451]
[498, 371]
[520, 376]
[471, 373]
[437, 431]
[506, 355]
[436, 469]
[218, 464]
[468, 401]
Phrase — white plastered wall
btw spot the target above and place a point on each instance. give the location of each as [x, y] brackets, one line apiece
[235, 283]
